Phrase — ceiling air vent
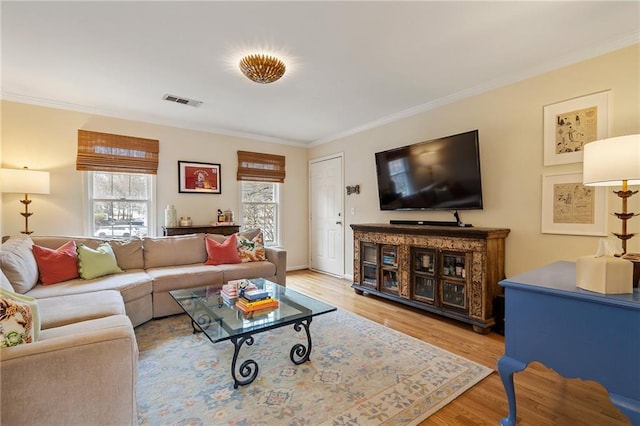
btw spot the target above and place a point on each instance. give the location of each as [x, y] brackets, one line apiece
[184, 101]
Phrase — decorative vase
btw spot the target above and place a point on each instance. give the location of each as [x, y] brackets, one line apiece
[170, 216]
[228, 216]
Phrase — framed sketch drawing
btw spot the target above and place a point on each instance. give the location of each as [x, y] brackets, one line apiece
[199, 178]
[569, 207]
[569, 125]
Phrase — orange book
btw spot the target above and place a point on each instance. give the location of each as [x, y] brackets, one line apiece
[271, 304]
[262, 302]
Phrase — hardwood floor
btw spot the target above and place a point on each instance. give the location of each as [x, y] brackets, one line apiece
[543, 396]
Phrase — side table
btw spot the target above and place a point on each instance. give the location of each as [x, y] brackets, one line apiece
[573, 331]
[206, 229]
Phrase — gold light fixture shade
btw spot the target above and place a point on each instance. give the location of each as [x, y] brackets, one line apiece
[262, 68]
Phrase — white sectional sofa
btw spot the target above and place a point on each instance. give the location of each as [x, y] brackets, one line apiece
[152, 267]
[83, 368]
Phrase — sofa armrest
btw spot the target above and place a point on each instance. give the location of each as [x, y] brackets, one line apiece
[278, 256]
[82, 373]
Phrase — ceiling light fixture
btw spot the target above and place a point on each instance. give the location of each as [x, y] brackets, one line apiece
[262, 68]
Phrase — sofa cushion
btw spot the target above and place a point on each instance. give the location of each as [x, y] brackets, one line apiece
[53, 242]
[132, 285]
[250, 234]
[18, 263]
[175, 250]
[97, 263]
[218, 238]
[128, 253]
[72, 308]
[19, 319]
[186, 276]
[251, 249]
[57, 265]
[247, 270]
[219, 253]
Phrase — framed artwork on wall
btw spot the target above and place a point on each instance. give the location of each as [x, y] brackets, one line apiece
[570, 124]
[569, 207]
[199, 178]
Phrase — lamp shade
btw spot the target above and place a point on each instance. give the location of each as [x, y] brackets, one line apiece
[24, 181]
[608, 162]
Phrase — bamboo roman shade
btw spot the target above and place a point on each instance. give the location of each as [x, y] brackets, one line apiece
[105, 152]
[254, 166]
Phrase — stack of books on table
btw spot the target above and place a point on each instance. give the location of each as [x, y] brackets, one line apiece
[230, 291]
[254, 300]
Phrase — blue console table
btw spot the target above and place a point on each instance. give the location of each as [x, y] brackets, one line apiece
[575, 332]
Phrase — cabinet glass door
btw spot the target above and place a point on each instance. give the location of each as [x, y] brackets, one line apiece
[389, 265]
[453, 280]
[454, 294]
[389, 280]
[423, 278]
[424, 261]
[369, 265]
[453, 265]
[424, 289]
[389, 256]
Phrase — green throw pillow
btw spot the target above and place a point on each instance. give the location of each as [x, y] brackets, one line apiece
[96, 263]
[19, 319]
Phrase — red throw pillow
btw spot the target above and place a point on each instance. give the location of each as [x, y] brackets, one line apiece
[220, 253]
[57, 265]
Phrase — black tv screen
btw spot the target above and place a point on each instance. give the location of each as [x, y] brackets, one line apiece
[440, 174]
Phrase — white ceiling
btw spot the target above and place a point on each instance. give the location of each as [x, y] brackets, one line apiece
[350, 65]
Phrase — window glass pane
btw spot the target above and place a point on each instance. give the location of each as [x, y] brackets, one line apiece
[258, 192]
[259, 208]
[119, 218]
[263, 216]
[120, 185]
[120, 204]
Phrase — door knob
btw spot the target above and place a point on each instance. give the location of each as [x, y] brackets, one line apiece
[338, 223]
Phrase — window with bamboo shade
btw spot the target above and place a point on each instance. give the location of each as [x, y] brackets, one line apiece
[258, 167]
[106, 152]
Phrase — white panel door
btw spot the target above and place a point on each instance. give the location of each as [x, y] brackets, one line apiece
[327, 224]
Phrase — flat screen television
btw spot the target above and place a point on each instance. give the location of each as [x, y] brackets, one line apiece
[439, 174]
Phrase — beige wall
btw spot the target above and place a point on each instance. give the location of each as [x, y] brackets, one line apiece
[510, 122]
[45, 139]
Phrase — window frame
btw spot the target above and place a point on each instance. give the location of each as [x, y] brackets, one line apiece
[88, 202]
[277, 204]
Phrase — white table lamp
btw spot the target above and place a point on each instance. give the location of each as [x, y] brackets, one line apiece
[614, 162]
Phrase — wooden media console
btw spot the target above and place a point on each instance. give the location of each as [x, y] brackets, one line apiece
[447, 270]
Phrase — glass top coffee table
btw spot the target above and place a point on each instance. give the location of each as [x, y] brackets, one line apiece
[220, 321]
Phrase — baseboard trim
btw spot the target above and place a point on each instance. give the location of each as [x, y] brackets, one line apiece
[297, 268]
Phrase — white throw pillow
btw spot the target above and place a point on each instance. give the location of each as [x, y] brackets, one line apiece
[19, 264]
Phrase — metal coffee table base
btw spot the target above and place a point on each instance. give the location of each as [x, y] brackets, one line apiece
[248, 370]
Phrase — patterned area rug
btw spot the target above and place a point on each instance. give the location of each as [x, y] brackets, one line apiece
[360, 373]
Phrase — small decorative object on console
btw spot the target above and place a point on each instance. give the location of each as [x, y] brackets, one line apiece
[604, 272]
[170, 216]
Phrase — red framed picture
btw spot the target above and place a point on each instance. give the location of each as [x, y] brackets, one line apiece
[199, 178]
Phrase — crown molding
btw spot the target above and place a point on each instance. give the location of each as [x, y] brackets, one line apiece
[573, 58]
[132, 116]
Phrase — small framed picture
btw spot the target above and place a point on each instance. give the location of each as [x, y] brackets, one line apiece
[569, 207]
[199, 178]
[571, 124]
